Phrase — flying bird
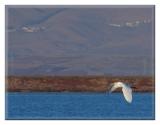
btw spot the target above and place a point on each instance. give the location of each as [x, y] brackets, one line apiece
[127, 91]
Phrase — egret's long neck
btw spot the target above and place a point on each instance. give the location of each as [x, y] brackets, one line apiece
[120, 84]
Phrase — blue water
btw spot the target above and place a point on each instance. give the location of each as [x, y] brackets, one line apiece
[78, 106]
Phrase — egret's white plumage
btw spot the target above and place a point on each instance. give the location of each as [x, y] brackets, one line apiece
[127, 91]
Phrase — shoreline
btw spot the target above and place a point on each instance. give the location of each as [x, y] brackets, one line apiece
[30, 92]
[98, 84]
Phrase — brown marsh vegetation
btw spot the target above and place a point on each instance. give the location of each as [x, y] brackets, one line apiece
[75, 83]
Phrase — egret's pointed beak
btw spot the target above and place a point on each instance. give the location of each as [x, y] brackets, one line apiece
[109, 87]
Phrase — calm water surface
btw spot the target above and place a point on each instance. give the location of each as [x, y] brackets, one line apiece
[78, 106]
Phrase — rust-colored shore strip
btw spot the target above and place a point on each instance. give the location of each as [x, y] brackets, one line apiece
[76, 83]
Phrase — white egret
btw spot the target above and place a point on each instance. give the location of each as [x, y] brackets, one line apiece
[127, 91]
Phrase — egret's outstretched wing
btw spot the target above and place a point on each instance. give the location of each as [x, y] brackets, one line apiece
[127, 92]
[114, 87]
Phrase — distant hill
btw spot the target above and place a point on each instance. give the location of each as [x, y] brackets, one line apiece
[80, 41]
